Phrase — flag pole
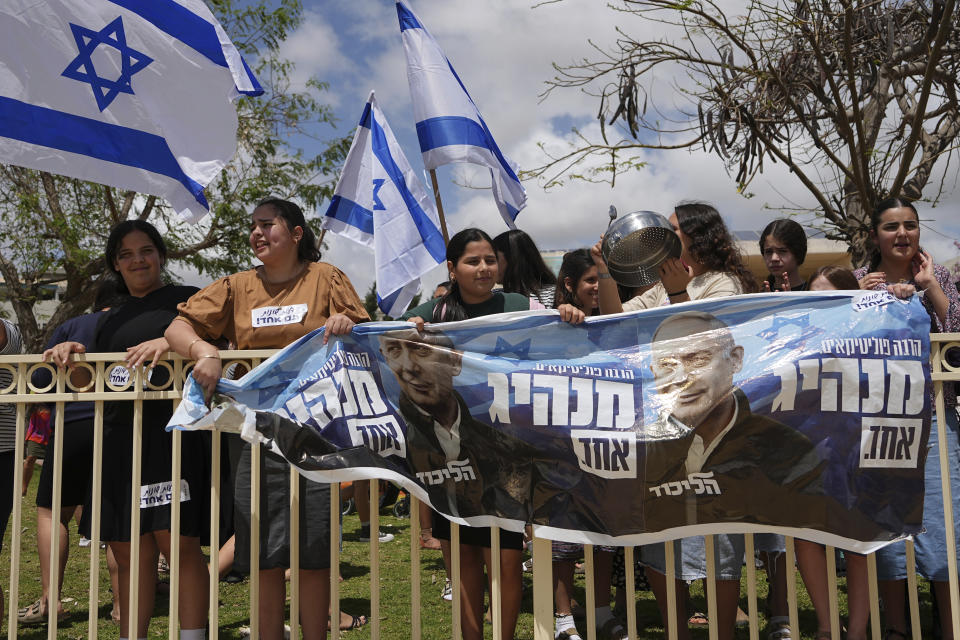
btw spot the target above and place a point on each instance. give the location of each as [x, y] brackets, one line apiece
[436, 196]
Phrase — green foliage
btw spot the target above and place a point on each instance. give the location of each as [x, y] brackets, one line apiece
[370, 303]
[53, 229]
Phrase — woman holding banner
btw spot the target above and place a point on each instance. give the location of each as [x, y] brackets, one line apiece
[899, 265]
[577, 285]
[270, 306]
[472, 263]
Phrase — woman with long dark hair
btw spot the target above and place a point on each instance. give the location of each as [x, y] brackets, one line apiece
[521, 268]
[899, 265]
[709, 266]
[472, 264]
[293, 284]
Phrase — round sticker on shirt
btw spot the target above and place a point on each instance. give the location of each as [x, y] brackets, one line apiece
[276, 316]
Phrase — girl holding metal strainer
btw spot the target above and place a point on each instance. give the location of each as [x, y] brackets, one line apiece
[709, 266]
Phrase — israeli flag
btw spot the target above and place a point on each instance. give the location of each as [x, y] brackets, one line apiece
[136, 94]
[380, 202]
[449, 125]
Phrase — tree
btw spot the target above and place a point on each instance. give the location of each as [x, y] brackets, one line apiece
[54, 229]
[857, 99]
[373, 309]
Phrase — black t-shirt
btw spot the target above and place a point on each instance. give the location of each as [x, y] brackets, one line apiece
[139, 320]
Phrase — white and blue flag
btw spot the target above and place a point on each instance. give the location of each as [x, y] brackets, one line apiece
[380, 202]
[136, 94]
[449, 125]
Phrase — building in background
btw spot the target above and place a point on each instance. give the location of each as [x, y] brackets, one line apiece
[820, 252]
[48, 301]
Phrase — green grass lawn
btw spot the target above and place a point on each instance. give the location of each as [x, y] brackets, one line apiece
[395, 618]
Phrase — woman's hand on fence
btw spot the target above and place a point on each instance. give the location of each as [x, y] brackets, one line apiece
[151, 351]
[61, 354]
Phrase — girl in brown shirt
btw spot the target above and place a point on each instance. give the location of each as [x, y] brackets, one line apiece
[270, 306]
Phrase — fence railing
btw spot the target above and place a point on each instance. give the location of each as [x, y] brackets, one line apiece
[138, 388]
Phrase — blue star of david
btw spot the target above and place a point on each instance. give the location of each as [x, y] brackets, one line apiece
[81, 68]
[803, 322]
[520, 350]
[377, 185]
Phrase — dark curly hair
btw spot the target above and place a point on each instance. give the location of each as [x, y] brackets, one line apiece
[711, 244]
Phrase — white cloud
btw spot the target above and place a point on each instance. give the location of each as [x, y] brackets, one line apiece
[316, 50]
[504, 52]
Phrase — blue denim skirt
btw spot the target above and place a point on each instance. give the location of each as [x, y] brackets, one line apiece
[931, 545]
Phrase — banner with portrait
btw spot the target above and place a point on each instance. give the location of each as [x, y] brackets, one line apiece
[806, 413]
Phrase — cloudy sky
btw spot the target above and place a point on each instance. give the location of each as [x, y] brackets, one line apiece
[503, 51]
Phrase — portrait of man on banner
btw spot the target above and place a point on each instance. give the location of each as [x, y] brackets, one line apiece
[467, 467]
[730, 463]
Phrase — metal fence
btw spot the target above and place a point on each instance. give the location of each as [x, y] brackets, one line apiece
[138, 389]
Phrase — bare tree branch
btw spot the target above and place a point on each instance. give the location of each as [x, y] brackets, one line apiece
[805, 82]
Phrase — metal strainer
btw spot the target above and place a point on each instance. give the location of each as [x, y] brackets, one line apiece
[636, 245]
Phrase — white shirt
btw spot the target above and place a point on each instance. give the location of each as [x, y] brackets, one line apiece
[449, 438]
[698, 454]
[712, 284]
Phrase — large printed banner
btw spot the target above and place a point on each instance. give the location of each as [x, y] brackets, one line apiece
[807, 412]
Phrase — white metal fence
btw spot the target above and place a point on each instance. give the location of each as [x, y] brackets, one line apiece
[60, 392]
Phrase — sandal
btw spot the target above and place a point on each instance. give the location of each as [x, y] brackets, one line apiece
[355, 623]
[568, 634]
[698, 620]
[34, 614]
